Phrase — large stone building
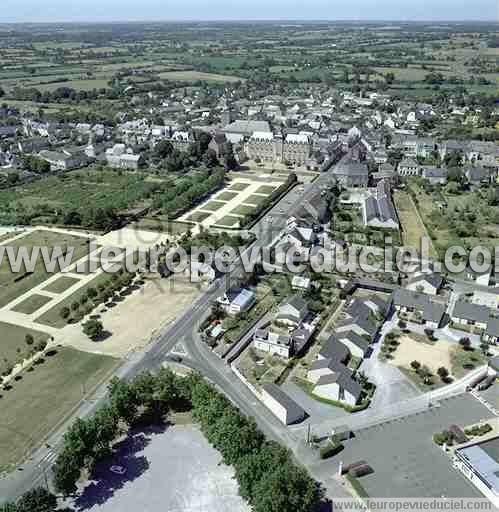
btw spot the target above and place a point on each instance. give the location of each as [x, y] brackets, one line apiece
[295, 149]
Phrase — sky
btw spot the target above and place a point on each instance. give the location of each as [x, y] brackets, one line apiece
[188, 10]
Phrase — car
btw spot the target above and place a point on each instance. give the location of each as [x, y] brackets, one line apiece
[117, 470]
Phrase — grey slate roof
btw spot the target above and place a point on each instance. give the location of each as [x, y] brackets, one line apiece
[354, 338]
[334, 350]
[290, 405]
[473, 312]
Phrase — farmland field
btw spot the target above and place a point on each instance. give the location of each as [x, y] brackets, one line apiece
[192, 76]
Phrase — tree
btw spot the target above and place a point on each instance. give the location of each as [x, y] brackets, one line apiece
[29, 340]
[64, 312]
[465, 343]
[443, 373]
[416, 365]
[484, 347]
[402, 324]
[37, 500]
[93, 329]
[425, 374]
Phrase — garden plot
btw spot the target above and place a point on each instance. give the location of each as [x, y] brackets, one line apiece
[227, 208]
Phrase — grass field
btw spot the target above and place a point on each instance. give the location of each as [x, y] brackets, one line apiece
[239, 186]
[412, 227]
[198, 216]
[228, 220]
[78, 85]
[12, 285]
[31, 304]
[61, 285]
[265, 189]
[52, 317]
[226, 196]
[194, 76]
[242, 210]
[465, 360]
[13, 339]
[254, 199]
[44, 397]
[213, 206]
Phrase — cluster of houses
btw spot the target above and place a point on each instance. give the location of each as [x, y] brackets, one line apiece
[354, 333]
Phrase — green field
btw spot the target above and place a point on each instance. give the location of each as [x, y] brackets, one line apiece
[228, 221]
[13, 342]
[52, 317]
[61, 284]
[12, 285]
[198, 216]
[242, 210]
[78, 85]
[239, 186]
[33, 303]
[265, 189]
[226, 196]
[254, 199]
[194, 76]
[44, 397]
[213, 206]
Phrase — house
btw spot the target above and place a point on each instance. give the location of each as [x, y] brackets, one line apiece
[300, 283]
[466, 313]
[357, 345]
[491, 333]
[386, 172]
[408, 167]
[339, 386]
[292, 312]
[120, 157]
[362, 317]
[352, 174]
[435, 175]
[426, 283]
[378, 210]
[237, 302]
[482, 278]
[286, 409]
[275, 343]
[477, 176]
[62, 161]
[430, 313]
[236, 131]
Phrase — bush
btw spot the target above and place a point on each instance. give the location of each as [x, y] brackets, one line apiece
[330, 450]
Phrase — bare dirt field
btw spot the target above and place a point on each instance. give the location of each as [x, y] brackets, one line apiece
[133, 322]
[433, 356]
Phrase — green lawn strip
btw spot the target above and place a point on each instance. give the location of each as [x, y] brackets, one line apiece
[44, 397]
[61, 284]
[242, 209]
[228, 220]
[31, 304]
[13, 285]
[463, 361]
[265, 189]
[163, 225]
[357, 486]
[13, 338]
[225, 196]
[213, 206]
[52, 317]
[239, 186]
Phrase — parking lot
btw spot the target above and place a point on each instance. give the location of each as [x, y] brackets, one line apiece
[165, 471]
[405, 460]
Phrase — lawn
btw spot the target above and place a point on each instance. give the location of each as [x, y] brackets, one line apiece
[61, 284]
[254, 200]
[213, 206]
[44, 397]
[78, 85]
[239, 186]
[13, 339]
[226, 196]
[464, 361]
[52, 317]
[228, 220]
[265, 189]
[12, 285]
[198, 216]
[31, 304]
[242, 210]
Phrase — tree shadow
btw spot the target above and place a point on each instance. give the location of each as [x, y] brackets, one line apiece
[103, 483]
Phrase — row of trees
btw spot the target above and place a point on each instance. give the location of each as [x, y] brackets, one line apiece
[268, 478]
[36, 500]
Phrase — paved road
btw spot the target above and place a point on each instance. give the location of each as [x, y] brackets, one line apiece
[35, 470]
